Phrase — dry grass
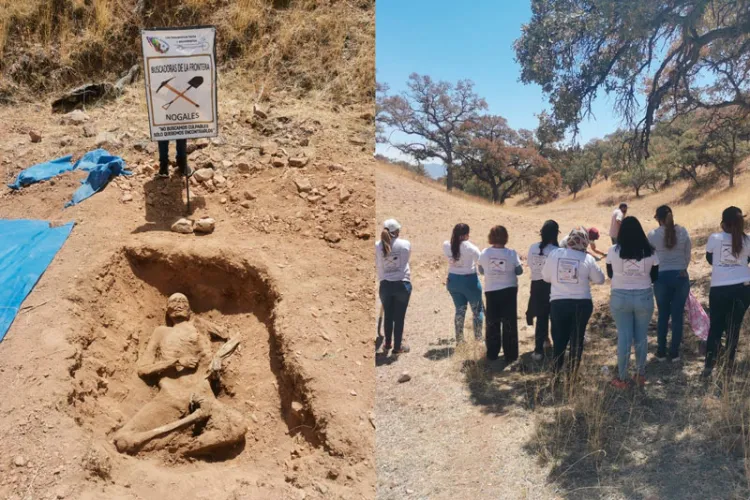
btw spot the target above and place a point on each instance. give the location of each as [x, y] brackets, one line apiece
[304, 46]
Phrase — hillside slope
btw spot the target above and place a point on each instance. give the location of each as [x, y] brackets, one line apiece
[462, 428]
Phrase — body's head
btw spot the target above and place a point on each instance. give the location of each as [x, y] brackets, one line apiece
[549, 233]
[459, 235]
[498, 236]
[578, 239]
[623, 208]
[665, 218]
[391, 230]
[632, 241]
[178, 308]
[733, 222]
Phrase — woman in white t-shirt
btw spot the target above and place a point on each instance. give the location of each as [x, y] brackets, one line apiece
[728, 253]
[540, 290]
[501, 267]
[392, 262]
[633, 266]
[571, 270]
[463, 283]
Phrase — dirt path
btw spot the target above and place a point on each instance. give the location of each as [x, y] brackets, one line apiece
[463, 429]
[302, 378]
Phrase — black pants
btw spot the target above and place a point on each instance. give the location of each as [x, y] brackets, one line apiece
[502, 323]
[181, 157]
[569, 320]
[539, 308]
[727, 305]
[394, 295]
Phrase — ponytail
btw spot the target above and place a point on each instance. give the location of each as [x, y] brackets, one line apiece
[385, 240]
[737, 230]
[459, 231]
[670, 234]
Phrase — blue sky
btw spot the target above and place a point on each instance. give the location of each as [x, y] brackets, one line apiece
[451, 40]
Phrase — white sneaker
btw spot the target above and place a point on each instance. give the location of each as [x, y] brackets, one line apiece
[537, 357]
[676, 360]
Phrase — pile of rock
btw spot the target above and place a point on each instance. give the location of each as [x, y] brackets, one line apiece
[204, 225]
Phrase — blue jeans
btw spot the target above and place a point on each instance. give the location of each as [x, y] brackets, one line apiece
[632, 311]
[394, 295]
[466, 289]
[671, 291]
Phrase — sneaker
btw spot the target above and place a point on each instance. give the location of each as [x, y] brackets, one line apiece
[162, 175]
[676, 359]
[640, 380]
[187, 173]
[660, 357]
[387, 347]
[402, 350]
[619, 384]
[537, 356]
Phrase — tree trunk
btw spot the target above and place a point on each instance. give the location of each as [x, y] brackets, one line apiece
[449, 177]
[495, 193]
[731, 176]
[638, 192]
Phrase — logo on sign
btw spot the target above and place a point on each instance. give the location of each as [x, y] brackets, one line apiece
[158, 44]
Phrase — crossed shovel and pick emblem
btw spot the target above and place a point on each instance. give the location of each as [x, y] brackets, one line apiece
[193, 83]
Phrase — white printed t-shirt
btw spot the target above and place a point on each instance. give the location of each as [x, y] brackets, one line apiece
[630, 274]
[570, 272]
[536, 261]
[499, 266]
[467, 260]
[394, 266]
[617, 216]
[728, 269]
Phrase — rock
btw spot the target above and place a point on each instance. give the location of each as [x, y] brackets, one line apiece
[203, 174]
[183, 226]
[191, 148]
[344, 194]
[246, 204]
[248, 195]
[269, 148]
[202, 142]
[314, 198]
[127, 197]
[61, 493]
[358, 141]
[35, 136]
[219, 180]
[405, 377]
[298, 161]
[97, 461]
[223, 201]
[140, 146]
[233, 198]
[90, 130]
[19, 461]
[243, 166]
[205, 225]
[303, 185]
[104, 139]
[151, 148]
[278, 162]
[226, 164]
[332, 237]
[76, 117]
[259, 111]
[353, 392]
[217, 141]
[336, 168]
[298, 410]
[66, 141]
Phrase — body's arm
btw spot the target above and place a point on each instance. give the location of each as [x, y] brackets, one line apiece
[710, 258]
[519, 270]
[610, 272]
[596, 276]
[654, 273]
[688, 249]
[206, 326]
[547, 270]
[148, 365]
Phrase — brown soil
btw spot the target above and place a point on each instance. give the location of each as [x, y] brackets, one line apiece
[302, 377]
[463, 428]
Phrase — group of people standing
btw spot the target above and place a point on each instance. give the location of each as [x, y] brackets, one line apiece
[640, 267]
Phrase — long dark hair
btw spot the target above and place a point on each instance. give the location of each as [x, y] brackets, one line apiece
[666, 218]
[549, 232]
[459, 230]
[733, 222]
[632, 241]
[385, 239]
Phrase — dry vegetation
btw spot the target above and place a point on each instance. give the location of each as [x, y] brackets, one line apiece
[323, 47]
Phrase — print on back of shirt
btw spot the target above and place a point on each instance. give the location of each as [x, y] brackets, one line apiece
[536, 262]
[567, 271]
[497, 266]
[634, 268]
[392, 262]
[727, 257]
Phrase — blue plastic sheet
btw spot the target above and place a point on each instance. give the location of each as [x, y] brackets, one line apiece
[42, 172]
[27, 247]
[102, 167]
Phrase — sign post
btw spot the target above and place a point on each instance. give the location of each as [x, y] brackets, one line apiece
[180, 76]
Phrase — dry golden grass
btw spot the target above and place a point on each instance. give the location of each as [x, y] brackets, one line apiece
[304, 46]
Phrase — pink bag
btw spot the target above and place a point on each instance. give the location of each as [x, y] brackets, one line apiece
[697, 317]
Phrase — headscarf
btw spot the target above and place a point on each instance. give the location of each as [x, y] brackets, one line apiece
[578, 239]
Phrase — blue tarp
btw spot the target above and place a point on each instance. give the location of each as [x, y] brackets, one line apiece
[101, 167]
[27, 247]
[99, 163]
[42, 172]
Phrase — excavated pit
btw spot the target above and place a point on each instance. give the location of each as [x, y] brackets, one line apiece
[125, 301]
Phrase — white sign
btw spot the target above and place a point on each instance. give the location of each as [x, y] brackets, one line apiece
[180, 69]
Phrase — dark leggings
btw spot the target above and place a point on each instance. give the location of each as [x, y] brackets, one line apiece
[181, 157]
[727, 305]
[569, 320]
[539, 308]
[394, 295]
[502, 323]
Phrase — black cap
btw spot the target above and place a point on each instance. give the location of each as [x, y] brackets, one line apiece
[662, 211]
[730, 214]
